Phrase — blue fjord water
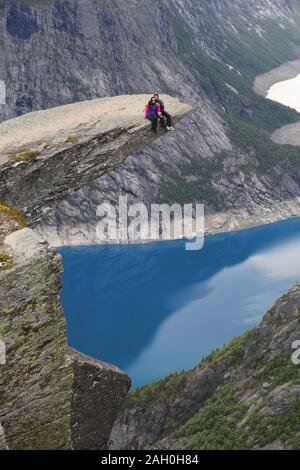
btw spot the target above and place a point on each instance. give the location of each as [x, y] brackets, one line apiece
[156, 309]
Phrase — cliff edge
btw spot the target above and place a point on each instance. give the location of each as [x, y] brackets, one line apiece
[52, 397]
[47, 155]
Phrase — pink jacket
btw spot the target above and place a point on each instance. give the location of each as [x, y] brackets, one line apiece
[158, 109]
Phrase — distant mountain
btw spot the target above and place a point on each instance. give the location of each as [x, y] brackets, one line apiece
[60, 51]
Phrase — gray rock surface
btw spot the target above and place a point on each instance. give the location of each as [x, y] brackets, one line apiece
[51, 398]
[36, 381]
[98, 393]
[2, 439]
[289, 134]
[78, 50]
[74, 144]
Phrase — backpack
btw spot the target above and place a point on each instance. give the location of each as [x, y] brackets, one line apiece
[162, 105]
[152, 113]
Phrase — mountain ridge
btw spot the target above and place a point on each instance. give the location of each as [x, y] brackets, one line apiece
[222, 156]
[243, 396]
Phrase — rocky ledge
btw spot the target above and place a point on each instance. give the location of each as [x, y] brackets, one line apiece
[50, 397]
[47, 155]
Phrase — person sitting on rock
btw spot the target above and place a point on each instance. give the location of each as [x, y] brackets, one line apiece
[153, 112]
[164, 113]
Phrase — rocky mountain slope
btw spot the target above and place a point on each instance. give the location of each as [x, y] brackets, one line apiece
[244, 396]
[87, 49]
[207, 52]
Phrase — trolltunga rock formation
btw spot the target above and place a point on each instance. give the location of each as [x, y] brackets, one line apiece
[47, 155]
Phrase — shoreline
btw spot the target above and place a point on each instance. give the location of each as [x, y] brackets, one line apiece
[215, 224]
[150, 242]
[265, 81]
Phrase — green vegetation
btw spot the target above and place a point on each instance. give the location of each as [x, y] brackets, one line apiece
[284, 427]
[184, 191]
[13, 214]
[241, 61]
[25, 155]
[72, 139]
[159, 392]
[6, 261]
[225, 424]
[279, 371]
[228, 420]
[214, 427]
[268, 154]
[234, 351]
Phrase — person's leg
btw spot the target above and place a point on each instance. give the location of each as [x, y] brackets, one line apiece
[163, 122]
[169, 118]
[154, 124]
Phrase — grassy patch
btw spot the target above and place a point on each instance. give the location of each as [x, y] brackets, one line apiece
[13, 214]
[6, 261]
[279, 371]
[268, 154]
[217, 426]
[72, 139]
[214, 427]
[158, 392]
[201, 190]
[25, 155]
[262, 432]
[233, 351]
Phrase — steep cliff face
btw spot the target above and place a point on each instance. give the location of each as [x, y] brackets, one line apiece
[210, 53]
[36, 381]
[87, 49]
[51, 398]
[244, 396]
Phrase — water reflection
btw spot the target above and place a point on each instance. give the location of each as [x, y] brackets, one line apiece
[154, 309]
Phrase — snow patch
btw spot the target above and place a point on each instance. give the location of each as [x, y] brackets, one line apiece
[287, 93]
